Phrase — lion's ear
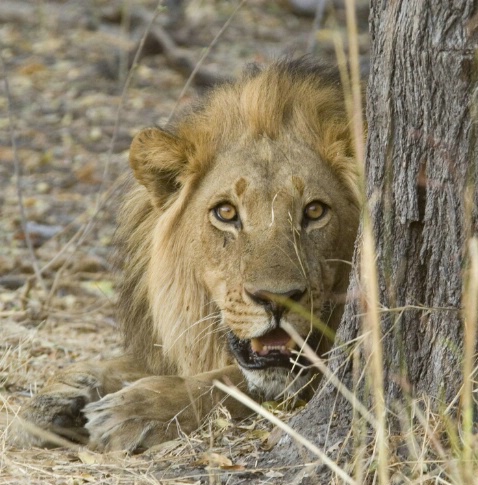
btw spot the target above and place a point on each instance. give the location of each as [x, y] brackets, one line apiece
[158, 158]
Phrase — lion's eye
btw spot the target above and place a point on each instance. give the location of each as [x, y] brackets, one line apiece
[314, 211]
[226, 212]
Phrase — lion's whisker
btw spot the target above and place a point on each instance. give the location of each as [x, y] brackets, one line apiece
[197, 322]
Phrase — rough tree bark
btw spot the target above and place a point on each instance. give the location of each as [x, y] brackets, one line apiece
[421, 172]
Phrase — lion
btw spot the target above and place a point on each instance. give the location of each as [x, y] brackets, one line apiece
[246, 205]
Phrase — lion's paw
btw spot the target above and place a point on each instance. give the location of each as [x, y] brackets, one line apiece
[58, 413]
[131, 419]
[57, 409]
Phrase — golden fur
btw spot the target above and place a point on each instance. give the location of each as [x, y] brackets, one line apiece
[198, 292]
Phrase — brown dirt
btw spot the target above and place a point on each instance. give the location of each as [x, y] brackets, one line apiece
[66, 63]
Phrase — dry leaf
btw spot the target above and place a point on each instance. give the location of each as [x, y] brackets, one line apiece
[163, 448]
[31, 68]
[87, 477]
[233, 468]
[87, 174]
[90, 458]
[100, 287]
[222, 424]
[271, 405]
[274, 436]
[274, 474]
[247, 427]
[260, 434]
[334, 447]
[213, 460]
[89, 264]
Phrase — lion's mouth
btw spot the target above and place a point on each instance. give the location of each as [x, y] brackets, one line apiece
[276, 341]
[274, 349]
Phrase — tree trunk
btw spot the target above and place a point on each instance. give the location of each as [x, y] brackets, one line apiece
[421, 174]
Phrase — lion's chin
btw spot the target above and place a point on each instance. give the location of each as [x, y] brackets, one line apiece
[271, 350]
[277, 383]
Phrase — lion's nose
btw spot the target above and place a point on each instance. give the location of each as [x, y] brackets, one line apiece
[275, 303]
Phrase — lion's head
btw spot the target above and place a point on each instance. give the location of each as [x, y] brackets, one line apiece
[248, 202]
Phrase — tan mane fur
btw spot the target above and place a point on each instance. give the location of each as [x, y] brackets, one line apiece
[165, 311]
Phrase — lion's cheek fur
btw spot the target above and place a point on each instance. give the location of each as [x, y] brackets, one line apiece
[183, 315]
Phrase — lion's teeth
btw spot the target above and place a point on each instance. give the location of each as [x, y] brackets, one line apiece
[263, 349]
[290, 344]
[256, 345]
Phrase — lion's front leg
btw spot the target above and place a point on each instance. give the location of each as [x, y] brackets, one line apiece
[155, 409]
[58, 408]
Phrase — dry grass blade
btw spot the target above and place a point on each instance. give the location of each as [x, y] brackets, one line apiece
[357, 120]
[257, 408]
[438, 447]
[471, 313]
[371, 319]
[372, 324]
[47, 435]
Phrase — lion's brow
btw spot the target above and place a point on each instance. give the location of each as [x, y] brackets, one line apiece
[241, 186]
[298, 183]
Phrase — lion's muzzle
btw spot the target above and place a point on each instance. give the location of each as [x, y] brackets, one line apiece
[274, 349]
[275, 303]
